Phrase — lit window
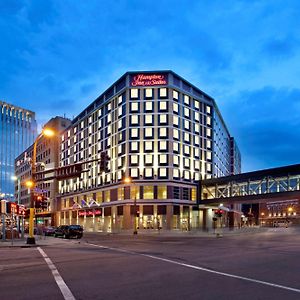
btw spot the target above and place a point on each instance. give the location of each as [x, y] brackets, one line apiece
[148, 159]
[197, 104]
[99, 113]
[175, 120]
[134, 119]
[176, 134]
[162, 145]
[121, 193]
[163, 132]
[208, 109]
[120, 99]
[134, 172]
[197, 152]
[176, 160]
[186, 137]
[148, 146]
[134, 159]
[108, 118]
[175, 107]
[119, 162]
[163, 159]
[163, 92]
[208, 167]
[162, 172]
[208, 155]
[186, 149]
[197, 128]
[163, 119]
[176, 147]
[148, 105]
[134, 146]
[197, 116]
[109, 106]
[186, 163]
[149, 119]
[197, 176]
[194, 194]
[187, 112]
[175, 95]
[135, 192]
[162, 192]
[187, 124]
[176, 173]
[208, 132]
[148, 172]
[134, 132]
[208, 144]
[120, 111]
[186, 100]
[208, 120]
[134, 106]
[120, 149]
[120, 124]
[163, 105]
[148, 192]
[148, 93]
[107, 196]
[186, 175]
[134, 93]
[197, 164]
[197, 140]
[148, 132]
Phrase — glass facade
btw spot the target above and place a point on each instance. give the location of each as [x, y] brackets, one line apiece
[18, 130]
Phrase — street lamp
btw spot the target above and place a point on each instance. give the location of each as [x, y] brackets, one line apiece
[128, 180]
[31, 184]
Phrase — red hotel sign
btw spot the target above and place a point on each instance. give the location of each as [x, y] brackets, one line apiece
[89, 213]
[149, 79]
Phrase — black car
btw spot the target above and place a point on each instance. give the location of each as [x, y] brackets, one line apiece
[69, 231]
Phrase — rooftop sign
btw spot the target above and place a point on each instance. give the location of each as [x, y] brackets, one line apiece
[148, 80]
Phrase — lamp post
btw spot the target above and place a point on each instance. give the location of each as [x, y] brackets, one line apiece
[31, 184]
[128, 180]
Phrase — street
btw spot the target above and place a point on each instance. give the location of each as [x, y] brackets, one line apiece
[257, 265]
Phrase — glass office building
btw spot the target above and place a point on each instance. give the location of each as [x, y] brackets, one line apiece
[18, 129]
[159, 130]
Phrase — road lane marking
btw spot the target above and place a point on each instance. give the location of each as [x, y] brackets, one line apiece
[202, 269]
[67, 294]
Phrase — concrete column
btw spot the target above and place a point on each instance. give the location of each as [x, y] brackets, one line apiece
[169, 217]
[126, 217]
[114, 218]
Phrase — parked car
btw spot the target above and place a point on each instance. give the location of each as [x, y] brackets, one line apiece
[69, 231]
[49, 230]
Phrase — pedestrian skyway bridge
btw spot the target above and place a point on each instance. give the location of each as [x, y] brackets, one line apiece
[281, 183]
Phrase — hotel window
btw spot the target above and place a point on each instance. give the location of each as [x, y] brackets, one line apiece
[120, 99]
[208, 109]
[148, 93]
[163, 159]
[120, 111]
[109, 106]
[186, 112]
[120, 162]
[99, 197]
[148, 119]
[163, 119]
[197, 176]
[175, 108]
[186, 137]
[162, 172]
[176, 173]
[134, 146]
[162, 192]
[134, 159]
[108, 118]
[208, 132]
[176, 134]
[99, 113]
[163, 106]
[176, 147]
[148, 159]
[208, 120]
[134, 120]
[186, 125]
[134, 106]
[197, 140]
[134, 133]
[175, 95]
[148, 172]
[186, 100]
[162, 132]
[197, 116]
[176, 160]
[176, 121]
[148, 146]
[186, 175]
[186, 150]
[148, 133]
[134, 192]
[196, 104]
[208, 167]
[148, 106]
[107, 196]
[208, 155]
[148, 192]
[134, 93]
[81, 124]
[186, 162]
[162, 92]
[163, 146]
[134, 172]
[197, 128]
[208, 144]
[121, 193]
[197, 153]
[197, 164]
[120, 123]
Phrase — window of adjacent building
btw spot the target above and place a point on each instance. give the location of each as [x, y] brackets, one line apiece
[162, 145]
[208, 132]
[162, 132]
[148, 172]
[148, 192]
[208, 167]
[175, 175]
[208, 109]
[163, 92]
[176, 134]
[134, 192]
[134, 172]
[148, 132]
[208, 120]
[208, 155]
[186, 150]
[148, 159]
[149, 93]
[134, 133]
[148, 146]
[148, 119]
[163, 106]
[175, 95]
[121, 193]
[134, 146]
[162, 192]
[186, 112]
[120, 124]
[107, 196]
[134, 159]
[176, 147]
[175, 108]
[162, 172]
[186, 137]
[186, 175]
[186, 100]
[208, 144]
[186, 162]
[176, 120]
[108, 117]
[197, 164]
[176, 160]
[163, 159]
[148, 106]
[196, 104]
[186, 125]
[197, 128]
[134, 106]
[109, 106]
[197, 116]
[134, 93]
[197, 140]
[120, 99]
[163, 119]
[134, 119]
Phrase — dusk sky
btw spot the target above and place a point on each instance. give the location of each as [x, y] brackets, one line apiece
[58, 56]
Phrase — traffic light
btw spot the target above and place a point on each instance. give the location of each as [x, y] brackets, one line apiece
[38, 201]
[104, 159]
[219, 213]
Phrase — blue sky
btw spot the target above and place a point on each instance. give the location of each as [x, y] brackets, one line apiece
[58, 56]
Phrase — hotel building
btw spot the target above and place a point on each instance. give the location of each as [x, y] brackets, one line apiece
[163, 133]
[18, 130]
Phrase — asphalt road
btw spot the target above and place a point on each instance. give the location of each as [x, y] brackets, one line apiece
[261, 265]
